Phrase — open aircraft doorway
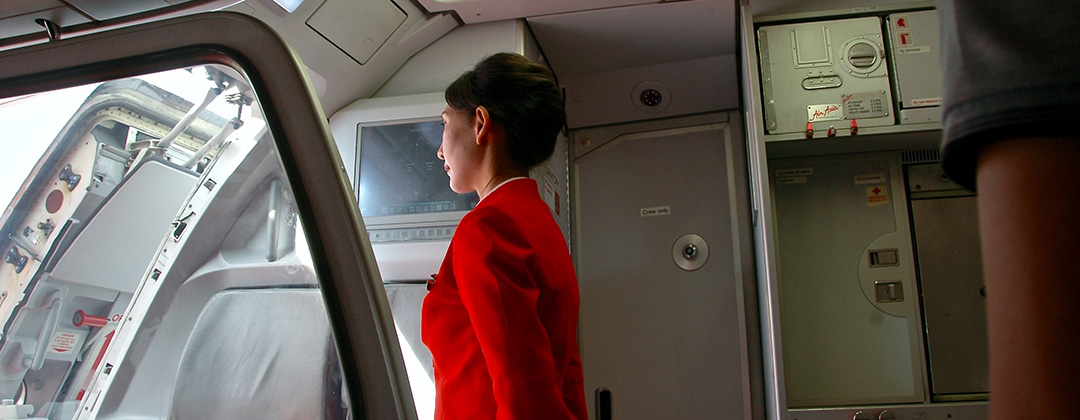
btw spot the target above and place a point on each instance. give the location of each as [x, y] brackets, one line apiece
[162, 254]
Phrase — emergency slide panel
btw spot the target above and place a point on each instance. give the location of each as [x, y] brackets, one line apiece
[850, 327]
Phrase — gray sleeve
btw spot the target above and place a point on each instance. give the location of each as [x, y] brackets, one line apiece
[1010, 69]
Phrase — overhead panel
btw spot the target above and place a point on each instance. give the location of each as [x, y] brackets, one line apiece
[637, 66]
[15, 21]
[108, 9]
[10, 8]
[337, 22]
[19, 17]
[341, 63]
[436, 66]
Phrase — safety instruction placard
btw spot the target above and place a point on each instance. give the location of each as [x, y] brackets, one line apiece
[63, 342]
[902, 29]
[865, 105]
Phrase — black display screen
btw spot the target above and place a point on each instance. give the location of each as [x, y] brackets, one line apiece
[400, 173]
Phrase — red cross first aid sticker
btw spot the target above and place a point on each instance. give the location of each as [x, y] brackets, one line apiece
[877, 195]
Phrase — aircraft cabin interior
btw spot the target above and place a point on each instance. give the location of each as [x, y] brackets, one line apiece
[222, 209]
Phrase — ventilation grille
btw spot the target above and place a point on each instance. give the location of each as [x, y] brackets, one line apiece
[909, 157]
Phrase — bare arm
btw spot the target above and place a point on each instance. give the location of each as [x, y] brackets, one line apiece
[1029, 210]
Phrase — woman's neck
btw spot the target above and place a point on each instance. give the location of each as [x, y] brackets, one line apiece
[497, 179]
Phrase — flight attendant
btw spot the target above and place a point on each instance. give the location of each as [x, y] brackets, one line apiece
[500, 318]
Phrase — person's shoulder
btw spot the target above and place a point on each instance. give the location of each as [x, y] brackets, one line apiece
[486, 215]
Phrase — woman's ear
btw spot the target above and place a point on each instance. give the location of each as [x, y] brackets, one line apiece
[482, 125]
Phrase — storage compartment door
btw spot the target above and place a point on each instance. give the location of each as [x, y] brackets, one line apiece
[850, 328]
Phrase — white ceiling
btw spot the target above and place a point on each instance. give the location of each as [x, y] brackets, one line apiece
[17, 16]
[577, 36]
[475, 11]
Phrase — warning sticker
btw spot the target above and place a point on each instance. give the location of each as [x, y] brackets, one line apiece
[905, 39]
[788, 180]
[63, 342]
[795, 172]
[914, 50]
[877, 178]
[552, 197]
[902, 21]
[877, 195]
[551, 178]
[926, 102]
[656, 211]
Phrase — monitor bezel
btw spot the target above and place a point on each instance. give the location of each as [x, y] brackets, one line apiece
[447, 218]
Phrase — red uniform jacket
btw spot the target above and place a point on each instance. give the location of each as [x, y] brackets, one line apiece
[501, 317]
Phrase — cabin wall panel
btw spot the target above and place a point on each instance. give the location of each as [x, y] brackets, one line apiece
[688, 87]
[435, 67]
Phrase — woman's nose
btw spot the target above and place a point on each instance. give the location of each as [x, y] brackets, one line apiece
[438, 153]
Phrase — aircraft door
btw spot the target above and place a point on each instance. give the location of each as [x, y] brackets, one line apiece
[661, 248]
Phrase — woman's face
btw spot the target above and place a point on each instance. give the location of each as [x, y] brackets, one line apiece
[459, 150]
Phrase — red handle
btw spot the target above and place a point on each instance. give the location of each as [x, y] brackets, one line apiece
[81, 318]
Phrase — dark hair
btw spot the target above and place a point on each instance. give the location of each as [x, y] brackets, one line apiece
[519, 95]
